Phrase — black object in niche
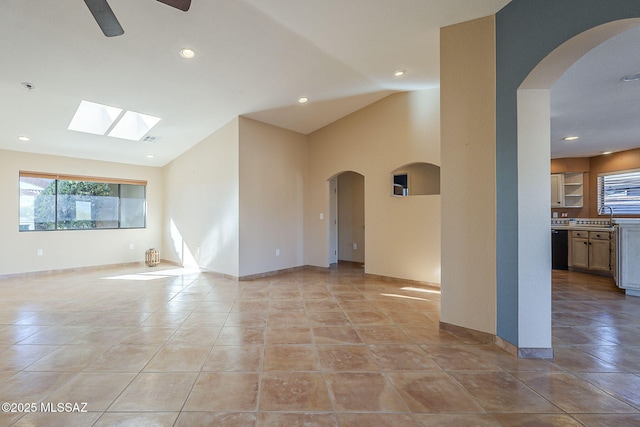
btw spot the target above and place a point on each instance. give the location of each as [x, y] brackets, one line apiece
[400, 184]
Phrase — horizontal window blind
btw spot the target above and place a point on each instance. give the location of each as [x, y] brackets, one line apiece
[620, 191]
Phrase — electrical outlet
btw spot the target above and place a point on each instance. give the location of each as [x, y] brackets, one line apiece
[355, 246]
[130, 245]
[277, 252]
[321, 215]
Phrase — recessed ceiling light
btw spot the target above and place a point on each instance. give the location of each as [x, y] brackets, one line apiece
[399, 73]
[24, 138]
[303, 100]
[187, 53]
[631, 77]
[150, 156]
[28, 85]
[570, 138]
[607, 152]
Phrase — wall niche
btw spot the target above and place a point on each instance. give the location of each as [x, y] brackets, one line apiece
[415, 179]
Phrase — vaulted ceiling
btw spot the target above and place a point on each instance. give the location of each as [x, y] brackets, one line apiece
[256, 58]
[253, 57]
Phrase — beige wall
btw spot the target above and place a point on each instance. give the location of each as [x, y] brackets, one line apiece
[273, 170]
[201, 204]
[570, 164]
[72, 248]
[402, 234]
[228, 203]
[467, 70]
[351, 217]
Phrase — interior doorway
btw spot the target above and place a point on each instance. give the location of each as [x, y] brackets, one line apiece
[534, 156]
[333, 221]
[347, 218]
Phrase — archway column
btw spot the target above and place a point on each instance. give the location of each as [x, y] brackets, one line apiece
[534, 238]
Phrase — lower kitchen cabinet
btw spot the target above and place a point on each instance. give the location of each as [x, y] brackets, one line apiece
[579, 253]
[590, 250]
[627, 274]
[615, 253]
[599, 251]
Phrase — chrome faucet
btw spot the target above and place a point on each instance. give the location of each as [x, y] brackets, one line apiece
[600, 212]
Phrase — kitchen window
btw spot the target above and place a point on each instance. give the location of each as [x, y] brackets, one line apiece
[65, 202]
[620, 191]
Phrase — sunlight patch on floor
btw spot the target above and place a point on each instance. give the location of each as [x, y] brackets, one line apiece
[403, 296]
[427, 291]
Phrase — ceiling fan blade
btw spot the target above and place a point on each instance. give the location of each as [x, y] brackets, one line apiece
[105, 17]
[178, 4]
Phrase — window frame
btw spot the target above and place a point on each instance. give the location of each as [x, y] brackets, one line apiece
[82, 178]
[632, 207]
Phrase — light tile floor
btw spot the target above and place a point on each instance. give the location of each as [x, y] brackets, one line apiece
[164, 346]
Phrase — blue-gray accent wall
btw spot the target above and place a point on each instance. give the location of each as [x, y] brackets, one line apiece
[526, 32]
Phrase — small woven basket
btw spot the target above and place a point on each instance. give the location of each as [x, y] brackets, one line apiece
[152, 257]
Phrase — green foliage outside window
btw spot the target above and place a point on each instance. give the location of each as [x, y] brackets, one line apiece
[50, 204]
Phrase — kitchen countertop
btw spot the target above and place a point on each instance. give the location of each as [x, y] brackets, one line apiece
[592, 224]
[582, 224]
[582, 228]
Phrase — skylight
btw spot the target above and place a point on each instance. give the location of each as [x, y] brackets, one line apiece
[94, 118]
[133, 126]
[101, 119]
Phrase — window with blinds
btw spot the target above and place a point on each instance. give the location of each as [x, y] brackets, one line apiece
[65, 202]
[620, 191]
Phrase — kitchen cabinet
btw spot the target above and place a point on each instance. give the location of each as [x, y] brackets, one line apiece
[572, 190]
[590, 250]
[579, 253]
[567, 190]
[613, 259]
[627, 273]
[599, 251]
[556, 190]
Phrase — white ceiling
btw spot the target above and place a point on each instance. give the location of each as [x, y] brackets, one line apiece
[592, 102]
[254, 58]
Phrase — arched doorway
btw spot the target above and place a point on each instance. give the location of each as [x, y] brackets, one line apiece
[533, 171]
[496, 275]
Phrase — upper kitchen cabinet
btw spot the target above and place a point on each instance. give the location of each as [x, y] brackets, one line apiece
[567, 190]
[573, 185]
[556, 190]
